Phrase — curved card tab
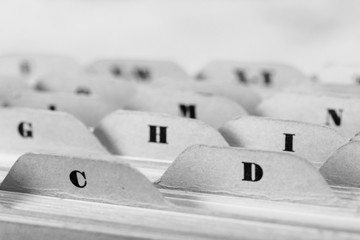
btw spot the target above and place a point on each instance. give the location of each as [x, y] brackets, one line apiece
[144, 71]
[272, 75]
[113, 91]
[248, 173]
[340, 74]
[98, 178]
[153, 135]
[343, 167]
[30, 130]
[214, 110]
[339, 112]
[89, 109]
[243, 95]
[310, 141]
[31, 66]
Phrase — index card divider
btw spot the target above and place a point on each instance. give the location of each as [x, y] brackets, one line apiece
[205, 205]
[249, 173]
[342, 167]
[153, 170]
[95, 178]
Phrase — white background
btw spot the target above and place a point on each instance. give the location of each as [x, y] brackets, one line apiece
[306, 33]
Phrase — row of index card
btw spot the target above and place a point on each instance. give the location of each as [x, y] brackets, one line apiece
[149, 137]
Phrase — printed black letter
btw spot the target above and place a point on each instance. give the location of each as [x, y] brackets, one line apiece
[83, 90]
[25, 129]
[267, 75]
[289, 142]
[25, 67]
[336, 117]
[157, 134]
[241, 75]
[188, 110]
[74, 178]
[252, 172]
[142, 73]
[116, 71]
[52, 107]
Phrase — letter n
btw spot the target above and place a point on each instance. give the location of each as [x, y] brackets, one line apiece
[252, 172]
[157, 134]
[334, 115]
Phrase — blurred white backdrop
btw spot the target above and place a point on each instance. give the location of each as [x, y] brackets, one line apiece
[306, 33]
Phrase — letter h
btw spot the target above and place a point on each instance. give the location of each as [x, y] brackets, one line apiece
[157, 134]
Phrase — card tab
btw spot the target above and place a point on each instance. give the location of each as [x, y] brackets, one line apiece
[112, 90]
[343, 167]
[248, 173]
[31, 66]
[89, 109]
[30, 130]
[143, 71]
[243, 95]
[34, 129]
[339, 112]
[97, 178]
[213, 110]
[153, 135]
[339, 74]
[310, 141]
[272, 75]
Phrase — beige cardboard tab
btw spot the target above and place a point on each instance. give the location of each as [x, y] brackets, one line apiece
[310, 141]
[248, 173]
[340, 74]
[89, 109]
[153, 135]
[213, 110]
[243, 95]
[31, 66]
[112, 90]
[31, 130]
[343, 167]
[252, 73]
[97, 178]
[339, 112]
[144, 71]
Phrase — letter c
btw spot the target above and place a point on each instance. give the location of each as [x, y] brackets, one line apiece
[74, 178]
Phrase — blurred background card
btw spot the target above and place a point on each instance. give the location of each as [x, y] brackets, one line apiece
[306, 33]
